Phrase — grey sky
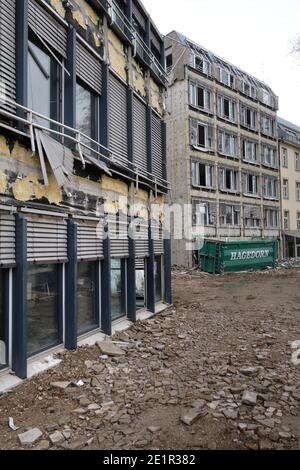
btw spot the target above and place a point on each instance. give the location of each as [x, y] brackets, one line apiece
[255, 35]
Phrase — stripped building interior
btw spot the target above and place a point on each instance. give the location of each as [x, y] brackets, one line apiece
[82, 156]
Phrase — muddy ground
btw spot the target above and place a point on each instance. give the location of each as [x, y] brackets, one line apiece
[182, 381]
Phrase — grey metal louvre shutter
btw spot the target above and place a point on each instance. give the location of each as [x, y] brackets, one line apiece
[47, 27]
[8, 52]
[88, 68]
[118, 232]
[140, 134]
[157, 236]
[7, 239]
[142, 241]
[89, 239]
[47, 239]
[139, 264]
[117, 117]
[156, 146]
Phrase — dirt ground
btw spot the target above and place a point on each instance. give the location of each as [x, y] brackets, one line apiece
[183, 380]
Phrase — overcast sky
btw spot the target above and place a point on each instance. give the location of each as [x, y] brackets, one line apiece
[255, 35]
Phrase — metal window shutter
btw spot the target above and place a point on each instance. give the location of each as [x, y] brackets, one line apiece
[140, 264]
[158, 239]
[47, 27]
[140, 134]
[156, 146]
[46, 239]
[8, 51]
[89, 239]
[118, 232]
[142, 241]
[7, 239]
[118, 139]
[88, 68]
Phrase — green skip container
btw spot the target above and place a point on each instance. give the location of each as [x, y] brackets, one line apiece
[217, 257]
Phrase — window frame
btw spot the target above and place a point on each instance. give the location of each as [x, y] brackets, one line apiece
[286, 218]
[233, 142]
[284, 158]
[196, 180]
[232, 108]
[285, 188]
[235, 209]
[274, 185]
[234, 180]
[56, 83]
[59, 267]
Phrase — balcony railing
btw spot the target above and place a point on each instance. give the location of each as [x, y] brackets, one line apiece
[119, 19]
[143, 51]
[30, 120]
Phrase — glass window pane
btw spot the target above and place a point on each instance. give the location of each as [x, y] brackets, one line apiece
[39, 83]
[3, 339]
[87, 318]
[158, 279]
[44, 307]
[83, 110]
[140, 287]
[116, 289]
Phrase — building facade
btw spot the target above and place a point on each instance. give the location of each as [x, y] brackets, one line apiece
[289, 150]
[222, 146]
[82, 158]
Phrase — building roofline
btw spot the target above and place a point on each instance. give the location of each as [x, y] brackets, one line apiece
[211, 55]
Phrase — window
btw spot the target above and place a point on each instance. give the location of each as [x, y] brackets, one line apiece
[230, 214]
[86, 115]
[251, 184]
[286, 220]
[297, 161]
[297, 191]
[3, 322]
[227, 143]
[252, 216]
[285, 189]
[202, 65]
[226, 108]
[267, 125]
[87, 297]
[270, 187]
[269, 156]
[44, 307]
[169, 62]
[298, 220]
[250, 150]
[249, 90]
[204, 212]
[140, 286]
[118, 280]
[271, 218]
[228, 179]
[202, 174]
[248, 117]
[43, 83]
[284, 158]
[226, 78]
[158, 278]
[266, 98]
[200, 97]
[201, 135]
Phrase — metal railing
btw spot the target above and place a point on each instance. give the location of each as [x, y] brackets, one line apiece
[82, 142]
[122, 22]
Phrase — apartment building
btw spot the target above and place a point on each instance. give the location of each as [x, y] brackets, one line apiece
[222, 146]
[82, 158]
[289, 150]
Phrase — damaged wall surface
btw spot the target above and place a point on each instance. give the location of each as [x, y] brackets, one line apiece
[70, 185]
